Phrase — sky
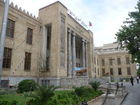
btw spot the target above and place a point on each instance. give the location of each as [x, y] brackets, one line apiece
[106, 16]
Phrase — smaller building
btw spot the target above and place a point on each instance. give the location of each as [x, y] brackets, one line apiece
[110, 60]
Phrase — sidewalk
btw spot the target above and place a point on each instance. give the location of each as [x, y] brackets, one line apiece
[133, 97]
[112, 99]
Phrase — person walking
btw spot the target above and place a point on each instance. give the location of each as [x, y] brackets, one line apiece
[132, 80]
[137, 78]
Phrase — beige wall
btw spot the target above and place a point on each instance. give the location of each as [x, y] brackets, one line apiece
[18, 43]
[47, 16]
[114, 55]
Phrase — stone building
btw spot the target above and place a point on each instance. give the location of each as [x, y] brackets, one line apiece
[47, 48]
[110, 60]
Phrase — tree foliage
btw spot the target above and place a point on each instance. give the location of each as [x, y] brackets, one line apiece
[129, 34]
[95, 85]
[42, 95]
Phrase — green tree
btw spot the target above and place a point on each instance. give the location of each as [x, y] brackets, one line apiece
[42, 95]
[129, 34]
[95, 85]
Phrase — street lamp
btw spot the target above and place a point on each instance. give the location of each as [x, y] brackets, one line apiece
[3, 35]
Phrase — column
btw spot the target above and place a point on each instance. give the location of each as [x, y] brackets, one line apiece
[83, 48]
[70, 55]
[86, 51]
[74, 53]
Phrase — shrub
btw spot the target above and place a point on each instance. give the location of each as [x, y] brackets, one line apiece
[8, 103]
[26, 85]
[64, 98]
[42, 95]
[85, 93]
[95, 85]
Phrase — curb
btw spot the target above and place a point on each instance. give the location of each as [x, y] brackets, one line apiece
[124, 98]
[94, 99]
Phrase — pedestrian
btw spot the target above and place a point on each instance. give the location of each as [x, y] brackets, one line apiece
[137, 78]
[132, 80]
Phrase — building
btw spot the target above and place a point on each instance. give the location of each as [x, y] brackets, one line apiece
[110, 60]
[47, 48]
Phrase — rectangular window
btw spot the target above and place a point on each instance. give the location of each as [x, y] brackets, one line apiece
[128, 71]
[127, 60]
[118, 61]
[110, 61]
[29, 36]
[10, 28]
[97, 62]
[48, 28]
[111, 71]
[103, 71]
[94, 60]
[62, 41]
[27, 63]
[103, 62]
[98, 72]
[119, 71]
[7, 57]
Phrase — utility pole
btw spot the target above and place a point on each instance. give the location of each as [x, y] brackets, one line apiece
[3, 35]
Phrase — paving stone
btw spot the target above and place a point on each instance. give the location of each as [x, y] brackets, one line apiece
[133, 97]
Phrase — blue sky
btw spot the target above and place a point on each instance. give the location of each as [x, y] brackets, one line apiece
[106, 15]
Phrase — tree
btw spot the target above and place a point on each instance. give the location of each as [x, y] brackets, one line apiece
[129, 34]
[42, 95]
[95, 85]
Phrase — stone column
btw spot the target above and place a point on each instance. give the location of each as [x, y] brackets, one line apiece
[74, 53]
[83, 48]
[86, 51]
[86, 54]
[70, 55]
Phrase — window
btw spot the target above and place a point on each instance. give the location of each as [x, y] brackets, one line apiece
[127, 60]
[27, 64]
[103, 62]
[97, 62]
[119, 71]
[29, 36]
[7, 57]
[98, 72]
[10, 28]
[128, 71]
[45, 82]
[111, 71]
[94, 60]
[110, 61]
[118, 61]
[103, 71]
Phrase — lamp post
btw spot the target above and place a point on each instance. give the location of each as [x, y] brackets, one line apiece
[3, 35]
